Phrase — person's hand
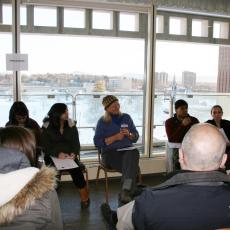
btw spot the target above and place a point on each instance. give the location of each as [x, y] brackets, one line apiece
[62, 156]
[186, 121]
[72, 156]
[116, 137]
[119, 136]
[125, 132]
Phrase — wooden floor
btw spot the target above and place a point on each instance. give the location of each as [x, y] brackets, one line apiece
[91, 219]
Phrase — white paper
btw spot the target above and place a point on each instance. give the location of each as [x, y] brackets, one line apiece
[63, 164]
[172, 145]
[224, 134]
[16, 62]
[127, 148]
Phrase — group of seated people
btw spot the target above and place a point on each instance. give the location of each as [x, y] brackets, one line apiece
[178, 125]
[196, 197]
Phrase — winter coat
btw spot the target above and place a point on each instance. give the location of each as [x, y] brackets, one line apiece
[28, 200]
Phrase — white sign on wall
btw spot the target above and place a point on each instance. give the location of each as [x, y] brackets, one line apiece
[16, 62]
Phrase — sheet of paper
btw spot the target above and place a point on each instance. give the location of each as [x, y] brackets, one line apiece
[127, 148]
[172, 145]
[62, 164]
[224, 134]
[16, 62]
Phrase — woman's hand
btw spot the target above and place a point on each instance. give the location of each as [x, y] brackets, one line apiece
[116, 137]
[125, 132]
[72, 156]
[66, 156]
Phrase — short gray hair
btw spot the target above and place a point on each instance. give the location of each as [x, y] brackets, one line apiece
[203, 147]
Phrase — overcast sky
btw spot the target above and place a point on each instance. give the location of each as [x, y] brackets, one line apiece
[111, 56]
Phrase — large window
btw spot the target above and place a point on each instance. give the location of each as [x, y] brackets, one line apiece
[191, 72]
[83, 69]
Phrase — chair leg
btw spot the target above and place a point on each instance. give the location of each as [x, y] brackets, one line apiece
[106, 188]
[98, 173]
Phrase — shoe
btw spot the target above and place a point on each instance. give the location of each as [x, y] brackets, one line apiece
[84, 196]
[85, 204]
[125, 196]
[109, 216]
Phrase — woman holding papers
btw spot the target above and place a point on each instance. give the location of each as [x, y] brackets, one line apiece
[28, 199]
[59, 139]
[114, 137]
[224, 127]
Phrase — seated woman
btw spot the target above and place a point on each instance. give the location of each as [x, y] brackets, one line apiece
[224, 126]
[19, 116]
[60, 139]
[114, 136]
[28, 198]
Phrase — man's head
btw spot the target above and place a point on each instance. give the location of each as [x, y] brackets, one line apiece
[111, 104]
[203, 149]
[181, 108]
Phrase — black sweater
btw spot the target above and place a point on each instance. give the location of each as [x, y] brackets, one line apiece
[53, 142]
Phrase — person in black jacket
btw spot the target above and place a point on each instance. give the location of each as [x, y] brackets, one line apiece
[19, 116]
[60, 139]
[197, 197]
[224, 126]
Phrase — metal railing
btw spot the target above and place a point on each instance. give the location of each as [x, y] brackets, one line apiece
[87, 109]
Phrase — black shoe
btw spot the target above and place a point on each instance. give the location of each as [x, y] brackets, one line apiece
[85, 204]
[109, 216]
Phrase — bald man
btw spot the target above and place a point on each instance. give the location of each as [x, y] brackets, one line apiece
[197, 197]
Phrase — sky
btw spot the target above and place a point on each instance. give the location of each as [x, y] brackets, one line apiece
[111, 56]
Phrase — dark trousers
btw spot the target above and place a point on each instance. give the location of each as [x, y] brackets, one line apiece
[126, 162]
[176, 163]
[75, 173]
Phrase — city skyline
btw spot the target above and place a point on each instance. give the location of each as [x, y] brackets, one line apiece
[112, 56]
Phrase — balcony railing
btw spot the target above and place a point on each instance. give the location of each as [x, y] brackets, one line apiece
[87, 109]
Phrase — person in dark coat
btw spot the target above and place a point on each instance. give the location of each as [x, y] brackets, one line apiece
[60, 139]
[177, 126]
[19, 116]
[28, 199]
[197, 197]
[224, 126]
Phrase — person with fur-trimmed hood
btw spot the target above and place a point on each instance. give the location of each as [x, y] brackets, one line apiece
[28, 199]
[60, 139]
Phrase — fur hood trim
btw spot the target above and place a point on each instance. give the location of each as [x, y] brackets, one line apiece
[71, 123]
[13, 182]
[42, 182]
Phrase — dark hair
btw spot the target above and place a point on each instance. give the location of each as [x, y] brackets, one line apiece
[180, 103]
[216, 106]
[18, 108]
[19, 138]
[55, 113]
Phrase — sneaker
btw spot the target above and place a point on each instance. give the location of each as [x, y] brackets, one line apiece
[85, 204]
[125, 196]
[109, 216]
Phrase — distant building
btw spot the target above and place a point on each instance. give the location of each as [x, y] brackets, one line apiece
[119, 84]
[223, 80]
[161, 79]
[99, 86]
[188, 79]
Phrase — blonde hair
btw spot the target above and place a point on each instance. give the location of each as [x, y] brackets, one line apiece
[107, 117]
[19, 138]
